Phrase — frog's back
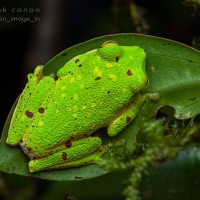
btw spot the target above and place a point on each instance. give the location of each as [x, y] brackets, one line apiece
[89, 96]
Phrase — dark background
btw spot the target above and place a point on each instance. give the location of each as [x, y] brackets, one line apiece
[62, 23]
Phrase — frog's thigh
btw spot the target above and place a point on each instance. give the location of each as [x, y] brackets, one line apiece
[126, 117]
[81, 153]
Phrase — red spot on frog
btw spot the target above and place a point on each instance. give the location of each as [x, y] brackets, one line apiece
[64, 155]
[129, 73]
[128, 119]
[41, 110]
[29, 114]
[68, 144]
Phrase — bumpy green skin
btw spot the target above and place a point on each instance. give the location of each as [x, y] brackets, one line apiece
[54, 119]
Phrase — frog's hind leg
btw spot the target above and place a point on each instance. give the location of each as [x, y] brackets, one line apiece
[79, 153]
[126, 117]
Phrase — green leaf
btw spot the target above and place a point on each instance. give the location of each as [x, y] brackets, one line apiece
[173, 70]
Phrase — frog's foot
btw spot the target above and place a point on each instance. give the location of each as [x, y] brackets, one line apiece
[81, 152]
[126, 117]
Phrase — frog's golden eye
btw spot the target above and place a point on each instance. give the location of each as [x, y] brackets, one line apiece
[110, 51]
[109, 43]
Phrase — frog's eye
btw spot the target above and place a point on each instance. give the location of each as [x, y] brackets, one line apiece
[110, 51]
[146, 83]
[109, 43]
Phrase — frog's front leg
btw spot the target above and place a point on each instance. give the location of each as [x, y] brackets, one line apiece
[78, 153]
[126, 117]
